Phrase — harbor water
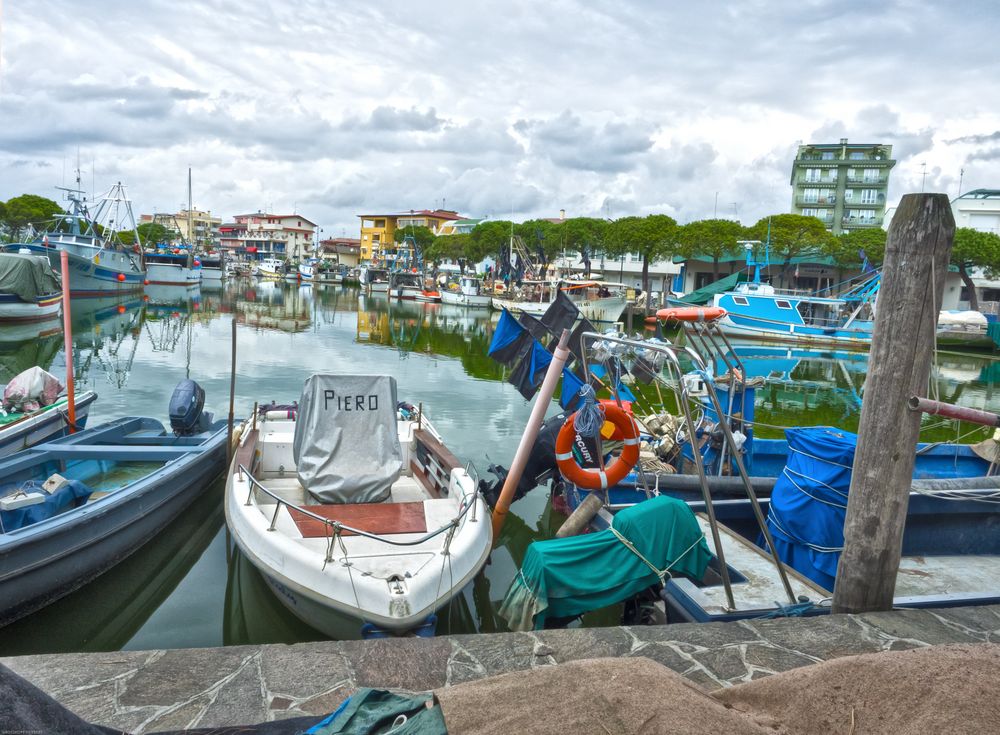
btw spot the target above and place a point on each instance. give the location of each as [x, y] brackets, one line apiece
[188, 587]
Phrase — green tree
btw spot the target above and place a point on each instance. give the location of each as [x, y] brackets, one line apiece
[846, 249]
[792, 235]
[654, 237]
[715, 238]
[974, 249]
[542, 239]
[584, 234]
[492, 237]
[151, 233]
[452, 247]
[421, 237]
[28, 210]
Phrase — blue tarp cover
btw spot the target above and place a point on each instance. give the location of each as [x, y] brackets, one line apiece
[809, 501]
[69, 496]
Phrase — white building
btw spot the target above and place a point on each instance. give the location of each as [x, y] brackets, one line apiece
[263, 235]
[978, 209]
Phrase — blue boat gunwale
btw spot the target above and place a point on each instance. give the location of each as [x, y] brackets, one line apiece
[175, 459]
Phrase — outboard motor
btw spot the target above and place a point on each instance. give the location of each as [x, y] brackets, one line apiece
[187, 416]
[540, 467]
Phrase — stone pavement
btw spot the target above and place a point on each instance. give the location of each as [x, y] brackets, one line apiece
[146, 691]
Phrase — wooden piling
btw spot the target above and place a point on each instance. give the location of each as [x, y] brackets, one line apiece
[909, 300]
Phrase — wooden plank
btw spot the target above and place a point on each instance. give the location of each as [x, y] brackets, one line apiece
[909, 301]
[245, 452]
[380, 518]
[448, 460]
[428, 484]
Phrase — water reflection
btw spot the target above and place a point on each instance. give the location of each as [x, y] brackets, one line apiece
[188, 591]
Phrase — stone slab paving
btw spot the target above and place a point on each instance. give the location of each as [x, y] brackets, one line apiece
[146, 691]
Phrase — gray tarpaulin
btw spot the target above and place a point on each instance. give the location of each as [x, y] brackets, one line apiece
[27, 276]
[346, 445]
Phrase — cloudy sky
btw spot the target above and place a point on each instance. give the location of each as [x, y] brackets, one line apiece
[601, 108]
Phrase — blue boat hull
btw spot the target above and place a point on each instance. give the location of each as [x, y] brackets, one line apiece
[44, 561]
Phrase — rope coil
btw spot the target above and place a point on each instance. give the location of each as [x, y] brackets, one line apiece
[590, 416]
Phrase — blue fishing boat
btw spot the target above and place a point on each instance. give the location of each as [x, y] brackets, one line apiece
[97, 266]
[74, 507]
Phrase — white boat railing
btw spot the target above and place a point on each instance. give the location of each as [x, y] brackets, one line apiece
[339, 528]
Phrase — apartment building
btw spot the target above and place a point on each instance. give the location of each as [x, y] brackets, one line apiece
[263, 235]
[204, 228]
[379, 230]
[843, 184]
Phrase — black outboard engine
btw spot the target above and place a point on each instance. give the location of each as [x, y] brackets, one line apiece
[540, 467]
[187, 416]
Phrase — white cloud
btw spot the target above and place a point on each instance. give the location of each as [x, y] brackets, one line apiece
[601, 108]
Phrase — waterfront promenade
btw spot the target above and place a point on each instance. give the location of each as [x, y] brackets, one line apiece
[146, 691]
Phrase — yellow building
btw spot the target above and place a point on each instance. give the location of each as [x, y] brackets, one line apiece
[379, 230]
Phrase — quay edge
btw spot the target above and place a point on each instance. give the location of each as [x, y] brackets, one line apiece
[146, 691]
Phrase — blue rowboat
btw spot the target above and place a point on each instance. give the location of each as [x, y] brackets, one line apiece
[124, 481]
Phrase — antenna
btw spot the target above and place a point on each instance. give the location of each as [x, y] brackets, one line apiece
[961, 175]
[923, 176]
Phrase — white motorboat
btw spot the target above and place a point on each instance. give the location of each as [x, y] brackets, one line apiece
[466, 291]
[271, 268]
[357, 516]
[597, 301]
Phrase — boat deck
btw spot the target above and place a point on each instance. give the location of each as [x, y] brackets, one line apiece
[756, 585]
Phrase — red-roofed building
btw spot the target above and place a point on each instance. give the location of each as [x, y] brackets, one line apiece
[343, 250]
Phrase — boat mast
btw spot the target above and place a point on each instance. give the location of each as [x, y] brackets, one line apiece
[190, 217]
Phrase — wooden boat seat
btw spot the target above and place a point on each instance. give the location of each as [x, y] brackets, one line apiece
[380, 518]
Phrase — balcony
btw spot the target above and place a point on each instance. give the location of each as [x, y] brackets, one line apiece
[820, 202]
[803, 181]
[857, 204]
[852, 223]
[861, 181]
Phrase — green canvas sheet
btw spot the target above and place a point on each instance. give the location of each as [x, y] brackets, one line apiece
[703, 295]
[570, 576]
[27, 276]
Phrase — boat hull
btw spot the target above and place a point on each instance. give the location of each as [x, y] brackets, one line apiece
[472, 301]
[94, 271]
[14, 311]
[596, 310]
[170, 274]
[43, 425]
[48, 560]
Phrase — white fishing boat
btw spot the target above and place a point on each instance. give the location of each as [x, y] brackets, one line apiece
[213, 268]
[177, 267]
[356, 537]
[271, 268]
[374, 280]
[465, 291]
[597, 301]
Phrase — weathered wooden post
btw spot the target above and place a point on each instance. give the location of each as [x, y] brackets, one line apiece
[909, 300]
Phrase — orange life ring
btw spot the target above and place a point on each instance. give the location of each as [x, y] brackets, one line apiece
[691, 313]
[594, 478]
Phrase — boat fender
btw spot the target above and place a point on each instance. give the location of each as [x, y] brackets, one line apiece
[594, 478]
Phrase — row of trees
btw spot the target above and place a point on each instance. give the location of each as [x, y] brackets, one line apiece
[658, 237]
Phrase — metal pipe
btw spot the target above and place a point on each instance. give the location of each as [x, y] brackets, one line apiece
[552, 375]
[951, 411]
[68, 341]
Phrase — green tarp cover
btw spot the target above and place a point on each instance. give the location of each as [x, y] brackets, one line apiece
[379, 712]
[570, 576]
[26, 276]
[704, 295]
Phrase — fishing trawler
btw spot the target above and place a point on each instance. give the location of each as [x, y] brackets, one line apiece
[99, 263]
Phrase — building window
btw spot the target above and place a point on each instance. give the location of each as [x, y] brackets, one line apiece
[827, 155]
[810, 212]
[380, 223]
[858, 156]
[849, 195]
[812, 175]
[783, 304]
[810, 195]
[869, 196]
[870, 174]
